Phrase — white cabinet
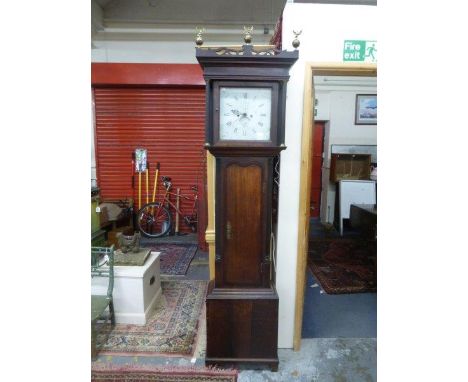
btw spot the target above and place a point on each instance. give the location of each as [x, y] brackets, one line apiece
[354, 192]
[137, 290]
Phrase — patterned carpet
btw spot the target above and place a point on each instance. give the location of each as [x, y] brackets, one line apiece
[132, 373]
[175, 258]
[171, 330]
[344, 265]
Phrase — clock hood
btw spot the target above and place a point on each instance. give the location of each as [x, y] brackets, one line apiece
[264, 62]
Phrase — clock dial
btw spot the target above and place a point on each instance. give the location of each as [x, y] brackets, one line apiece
[245, 114]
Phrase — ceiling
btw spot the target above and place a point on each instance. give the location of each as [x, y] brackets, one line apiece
[173, 20]
[177, 19]
[137, 13]
[349, 2]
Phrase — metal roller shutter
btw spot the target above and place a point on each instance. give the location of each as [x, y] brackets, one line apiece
[167, 121]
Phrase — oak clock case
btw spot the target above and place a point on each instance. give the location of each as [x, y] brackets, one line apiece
[245, 109]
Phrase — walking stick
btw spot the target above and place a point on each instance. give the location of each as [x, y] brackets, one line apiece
[133, 177]
[177, 213]
[133, 190]
[139, 190]
[155, 182]
[147, 183]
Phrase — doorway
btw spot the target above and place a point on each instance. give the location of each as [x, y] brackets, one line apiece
[313, 69]
[340, 298]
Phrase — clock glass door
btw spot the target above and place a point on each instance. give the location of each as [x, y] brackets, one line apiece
[245, 113]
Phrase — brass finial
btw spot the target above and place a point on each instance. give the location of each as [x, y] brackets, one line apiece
[199, 38]
[248, 34]
[296, 41]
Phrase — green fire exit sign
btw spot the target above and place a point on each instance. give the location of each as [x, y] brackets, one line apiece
[360, 51]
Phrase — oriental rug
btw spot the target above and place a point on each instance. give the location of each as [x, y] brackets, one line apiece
[175, 258]
[172, 330]
[344, 265]
[141, 373]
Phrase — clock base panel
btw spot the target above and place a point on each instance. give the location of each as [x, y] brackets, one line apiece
[242, 328]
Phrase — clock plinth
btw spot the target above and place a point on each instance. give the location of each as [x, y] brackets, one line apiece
[242, 326]
[245, 110]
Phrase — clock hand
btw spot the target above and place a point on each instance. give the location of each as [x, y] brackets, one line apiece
[236, 112]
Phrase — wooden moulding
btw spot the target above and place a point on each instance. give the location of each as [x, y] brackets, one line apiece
[243, 151]
[210, 229]
[242, 293]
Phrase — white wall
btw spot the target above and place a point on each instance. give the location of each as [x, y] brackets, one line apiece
[176, 52]
[163, 48]
[324, 29]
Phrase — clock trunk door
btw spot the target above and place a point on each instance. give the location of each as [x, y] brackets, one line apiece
[242, 229]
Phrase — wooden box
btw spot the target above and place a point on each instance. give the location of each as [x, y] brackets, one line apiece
[350, 167]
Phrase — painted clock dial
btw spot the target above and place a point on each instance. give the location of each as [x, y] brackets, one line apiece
[245, 113]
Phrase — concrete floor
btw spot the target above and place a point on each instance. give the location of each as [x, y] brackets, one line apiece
[320, 359]
[324, 360]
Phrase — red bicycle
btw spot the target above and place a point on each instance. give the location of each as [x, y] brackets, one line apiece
[154, 219]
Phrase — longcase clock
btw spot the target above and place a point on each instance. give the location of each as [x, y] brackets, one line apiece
[245, 112]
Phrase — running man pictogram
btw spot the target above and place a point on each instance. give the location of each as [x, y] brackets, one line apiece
[370, 51]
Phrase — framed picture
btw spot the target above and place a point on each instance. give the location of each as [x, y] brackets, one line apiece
[366, 109]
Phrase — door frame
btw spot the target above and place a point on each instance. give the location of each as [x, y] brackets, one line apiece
[313, 69]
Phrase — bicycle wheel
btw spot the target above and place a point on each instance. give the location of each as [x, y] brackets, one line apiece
[154, 220]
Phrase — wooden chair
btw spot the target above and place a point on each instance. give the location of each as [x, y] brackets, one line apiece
[102, 265]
